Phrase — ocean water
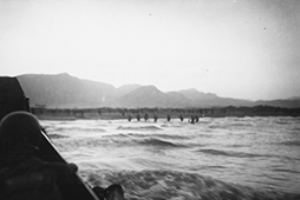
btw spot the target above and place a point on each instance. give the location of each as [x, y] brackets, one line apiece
[217, 158]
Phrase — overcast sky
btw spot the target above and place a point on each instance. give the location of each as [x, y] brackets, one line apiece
[236, 48]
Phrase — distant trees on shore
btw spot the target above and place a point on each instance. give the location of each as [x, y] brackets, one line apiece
[193, 114]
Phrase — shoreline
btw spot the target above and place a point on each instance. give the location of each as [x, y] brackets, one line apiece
[145, 114]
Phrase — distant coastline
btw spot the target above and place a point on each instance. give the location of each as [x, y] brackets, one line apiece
[160, 113]
[66, 91]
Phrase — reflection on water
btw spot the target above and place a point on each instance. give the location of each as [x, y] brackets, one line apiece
[217, 158]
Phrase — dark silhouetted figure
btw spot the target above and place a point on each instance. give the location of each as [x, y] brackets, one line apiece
[168, 118]
[155, 118]
[196, 118]
[138, 117]
[24, 174]
[192, 119]
[181, 118]
[30, 168]
[146, 117]
[129, 118]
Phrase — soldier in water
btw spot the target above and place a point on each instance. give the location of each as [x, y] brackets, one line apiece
[24, 174]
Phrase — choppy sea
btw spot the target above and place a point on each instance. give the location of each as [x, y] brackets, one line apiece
[217, 158]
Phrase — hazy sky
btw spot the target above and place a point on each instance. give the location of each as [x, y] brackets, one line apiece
[237, 48]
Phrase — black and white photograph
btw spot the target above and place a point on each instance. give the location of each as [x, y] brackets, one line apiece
[149, 99]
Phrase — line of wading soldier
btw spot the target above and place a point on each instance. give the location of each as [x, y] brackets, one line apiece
[193, 119]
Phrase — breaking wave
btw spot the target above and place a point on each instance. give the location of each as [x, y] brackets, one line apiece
[106, 141]
[56, 136]
[230, 153]
[140, 128]
[148, 135]
[291, 143]
[79, 129]
[165, 185]
[159, 142]
[156, 161]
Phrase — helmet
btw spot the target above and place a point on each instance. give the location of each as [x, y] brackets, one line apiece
[20, 128]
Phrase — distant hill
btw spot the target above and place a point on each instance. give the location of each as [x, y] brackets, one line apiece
[66, 91]
[145, 96]
[201, 99]
[63, 90]
[126, 89]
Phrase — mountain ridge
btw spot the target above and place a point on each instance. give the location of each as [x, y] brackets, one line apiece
[66, 91]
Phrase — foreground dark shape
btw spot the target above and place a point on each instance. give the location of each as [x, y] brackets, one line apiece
[12, 97]
[30, 166]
